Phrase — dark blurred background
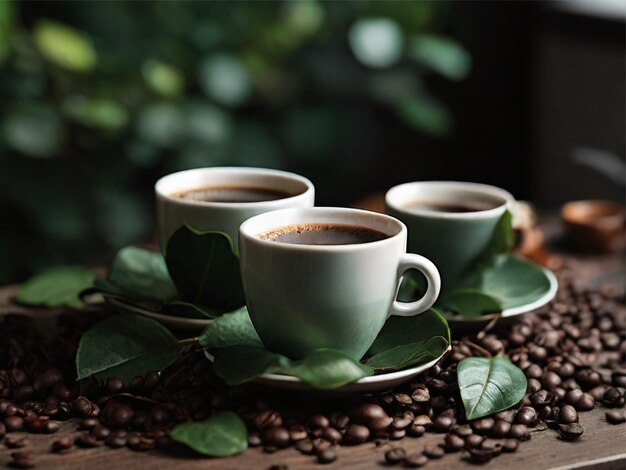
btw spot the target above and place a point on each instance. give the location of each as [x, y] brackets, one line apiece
[100, 99]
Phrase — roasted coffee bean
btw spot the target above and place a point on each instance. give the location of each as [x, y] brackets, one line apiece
[415, 460]
[87, 440]
[395, 455]
[492, 446]
[339, 421]
[400, 423]
[510, 445]
[380, 424]
[305, 447]
[519, 431]
[528, 416]
[276, 436]
[586, 403]
[464, 430]
[267, 419]
[541, 398]
[118, 415]
[297, 433]
[159, 414]
[356, 434]
[331, 435]
[142, 445]
[62, 445]
[533, 385]
[415, 430]
[14, 423]
[114, 385]
[573, 396]
[443, 423]
[568, 414]
[433, 452]
[613, 397]
[397, 434]
[51, 427]
[325, 456]
[88, 423]
[318, 422]
[453, 443]
[369, 411]
[483, 425]
[474, 440]
[151, 380]
[402, 398]
[421, 394]
[550, 380]
[254, 439]
[566, 370]
[570, 431]
[22, 460]
[544, 412]
[115, 441]
[100, 432]
[618, 378]
[85, 408]
[422, 420]
[616, 416]
[500, 428]
[534, 371]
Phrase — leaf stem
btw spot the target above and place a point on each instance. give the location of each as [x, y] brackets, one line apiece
[480, 349]
[189, 340]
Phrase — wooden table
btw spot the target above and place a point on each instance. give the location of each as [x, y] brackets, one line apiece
[603, 446]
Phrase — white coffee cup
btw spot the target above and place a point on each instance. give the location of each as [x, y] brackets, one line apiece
[305, 297]
[174, 212]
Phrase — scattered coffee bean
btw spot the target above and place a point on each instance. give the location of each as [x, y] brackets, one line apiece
[443, 423]
[395, 455]
[510, 445]
[519, 431]
[16, 442]
[356, 434]
[62, 445]
[528, 416]
[474, 440]
[570, 431]
[22, 460]
[415, 460]
[483, 425]
[305, 447]
[500, 428]
[433, 452]
[453, 443]
[328, 455]
[568, 414]
[616, 416]
[276, 436]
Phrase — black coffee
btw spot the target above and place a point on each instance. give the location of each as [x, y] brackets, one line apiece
[232, 194]
[442, 206]
[323, 234]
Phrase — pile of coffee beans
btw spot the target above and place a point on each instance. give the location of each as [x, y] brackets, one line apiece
[573, 353]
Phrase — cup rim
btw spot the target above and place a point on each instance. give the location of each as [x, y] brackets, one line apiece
[158, 187]
[247, 232]
[393, 194]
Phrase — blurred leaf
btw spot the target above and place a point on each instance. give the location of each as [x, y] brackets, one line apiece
[65, 46]
[56, 287]
[427, 115]
[100, 113]
[34, 130]
[304, 16]
[207, 123]
[161, 124]
[163, 78]
[6, 25]
[442, 55]
[224, 79]
[221, 435]
[376, 42]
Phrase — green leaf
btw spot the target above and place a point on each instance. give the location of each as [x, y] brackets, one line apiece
[99, 113]
[125, 346]
[64, 46]
[205, 268]
[400, 331]
[221, 435]
[502, 241]
[34, 130]
[469, 303]
[426, 114]
[323, 369]
[489, 385]
[140, 275]
[230, 329]
[239, 364]
[441, 54]
[183, 309]
[163, 78]
[328, 369]
[56, 287]
[225, 79]
[408, 355]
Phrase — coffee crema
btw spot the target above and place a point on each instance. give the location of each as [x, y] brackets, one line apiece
[449, 206]
[232, 194]
[323, 234]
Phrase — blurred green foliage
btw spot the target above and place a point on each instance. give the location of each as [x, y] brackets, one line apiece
[99, 99]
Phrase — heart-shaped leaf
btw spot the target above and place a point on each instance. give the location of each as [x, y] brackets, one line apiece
[139, 274]
[205, 268]
[125, 346]
[399, 331]
[231, 329]
[221, 435]
[407, 355]
[502, 241]
[469, 303]
[489, 385]
[56, 287]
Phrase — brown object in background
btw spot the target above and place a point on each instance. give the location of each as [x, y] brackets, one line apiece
[594, 226]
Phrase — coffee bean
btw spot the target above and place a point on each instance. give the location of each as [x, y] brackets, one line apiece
[570, 431]
[534, 371]
[85, 408]
[566, 370]
[395, 455]
[14, 423]
[51, 427]
[305, 447]
[473, 440]
[510, 445]
[339, 421]
[297, 433]
[483, 425]
[550, 380]
[533, 385]
[21, 460]
[415, 460]
[492, 446]
[586, 403]
[519, 431]
[421, 394]
[87, 440]
[276, 436]
[500, 428]
[433, 452]
[422, 420]
[442, 423]
[356, 434]
[400, 423]
[114, 385]
[118, 415]
[573, 396]
[151, 380]
[616, 416]
[254, 439]
[527, 415]
[541, 398]
[62, 445]
[369, 411]
[16, 442]
[464, 430]
[613, 397]
[325, 456]
[397, 434]
[100, 432]
[415, 430]
[544, 412]
[568, 414]
[115, 441]
[453, 443]
[618, 378]
[3, 430]
[159, 414]
[268, 418]
[331, 435]
[402, 398]
[380, 424]
[88, 423]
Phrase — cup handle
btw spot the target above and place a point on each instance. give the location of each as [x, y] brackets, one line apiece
[429, 270]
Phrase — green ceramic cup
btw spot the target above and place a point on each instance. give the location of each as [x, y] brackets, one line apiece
[453, 240]
[305, 297]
